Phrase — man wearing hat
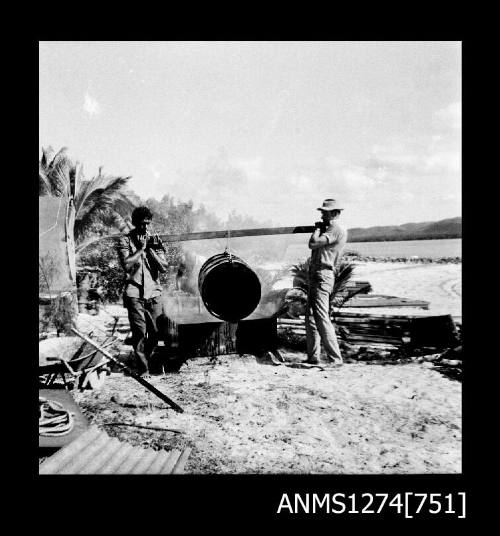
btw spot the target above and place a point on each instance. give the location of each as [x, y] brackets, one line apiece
[326, 243]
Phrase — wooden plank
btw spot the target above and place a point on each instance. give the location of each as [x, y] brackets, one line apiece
[349, 314]
[369, 321]
[379, 300]
[292, 321]
[263, 231]
[374, 346]
[206, 235]
[361, 337]
[355, 322]
[373, 338]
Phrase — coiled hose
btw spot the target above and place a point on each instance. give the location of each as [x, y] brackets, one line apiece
[53, 419]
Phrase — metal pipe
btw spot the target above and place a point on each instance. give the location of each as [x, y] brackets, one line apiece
[136, 377]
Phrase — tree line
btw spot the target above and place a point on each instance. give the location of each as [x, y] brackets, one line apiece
[406, 236]
[102, 206]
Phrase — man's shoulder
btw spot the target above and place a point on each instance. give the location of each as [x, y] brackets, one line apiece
[336, 228]
[124, 239]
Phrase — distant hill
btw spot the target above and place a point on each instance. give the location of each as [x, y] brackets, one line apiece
[449, 228]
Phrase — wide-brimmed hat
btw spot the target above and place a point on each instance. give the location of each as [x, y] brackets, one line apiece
[331, 204]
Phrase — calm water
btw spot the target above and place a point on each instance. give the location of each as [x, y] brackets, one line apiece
[448, 247]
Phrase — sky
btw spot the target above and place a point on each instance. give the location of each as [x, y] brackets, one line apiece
[267, 129]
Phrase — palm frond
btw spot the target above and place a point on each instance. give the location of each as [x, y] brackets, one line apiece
[43, 181]
[58, 174]
[300, 274]
[61, 154]
[47, 153]
[103, 189]
[113, 219]
[342, 277]
[340, 292]
[54, 172]
[98, 199]
[340, 300]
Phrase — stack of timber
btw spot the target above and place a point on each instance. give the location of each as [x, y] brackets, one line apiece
[94, 452]
[361, 329]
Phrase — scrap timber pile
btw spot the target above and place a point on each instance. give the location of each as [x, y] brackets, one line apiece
[389, 339]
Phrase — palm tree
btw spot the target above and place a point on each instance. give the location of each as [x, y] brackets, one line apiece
[341, 293]
[100, 199]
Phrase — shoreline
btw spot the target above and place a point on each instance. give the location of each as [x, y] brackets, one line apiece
[413, 259]
[439, 283]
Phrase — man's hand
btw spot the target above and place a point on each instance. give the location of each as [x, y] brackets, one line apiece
[317, 239]
[320, 225]
[155, 243]
[142, 242]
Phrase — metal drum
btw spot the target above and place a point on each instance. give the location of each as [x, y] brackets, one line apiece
[229, 288]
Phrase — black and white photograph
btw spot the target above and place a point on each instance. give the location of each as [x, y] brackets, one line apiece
[250, 258]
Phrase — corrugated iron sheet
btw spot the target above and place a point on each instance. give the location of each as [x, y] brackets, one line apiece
[94, 452]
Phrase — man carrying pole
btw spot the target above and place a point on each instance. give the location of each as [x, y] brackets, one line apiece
[139, 254]
[327, 243]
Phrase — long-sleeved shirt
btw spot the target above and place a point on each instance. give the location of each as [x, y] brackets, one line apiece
[141, 278]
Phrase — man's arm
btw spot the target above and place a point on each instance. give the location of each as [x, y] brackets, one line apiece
[161, 262]
[318, 240]
[128, 260]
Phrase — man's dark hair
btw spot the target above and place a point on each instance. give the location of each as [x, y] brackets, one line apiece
[140, 213]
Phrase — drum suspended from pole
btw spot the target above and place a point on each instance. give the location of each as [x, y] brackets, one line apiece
[229, 288]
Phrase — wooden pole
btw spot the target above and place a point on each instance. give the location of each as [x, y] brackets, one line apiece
[205, 235]
[142, 381]
[264, 231]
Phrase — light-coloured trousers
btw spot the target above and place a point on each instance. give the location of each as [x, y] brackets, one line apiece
[319, 327]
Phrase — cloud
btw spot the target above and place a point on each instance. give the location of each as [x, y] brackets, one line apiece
[442, 162]
[90, 105]
[401, 179]
[157, 169]
[281, 107]
[449, 116]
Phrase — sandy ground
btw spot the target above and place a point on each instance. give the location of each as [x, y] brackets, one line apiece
[439, 284]
[243, 416]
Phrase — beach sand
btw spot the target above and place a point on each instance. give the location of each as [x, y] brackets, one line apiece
[439, 284]
[242, 416]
